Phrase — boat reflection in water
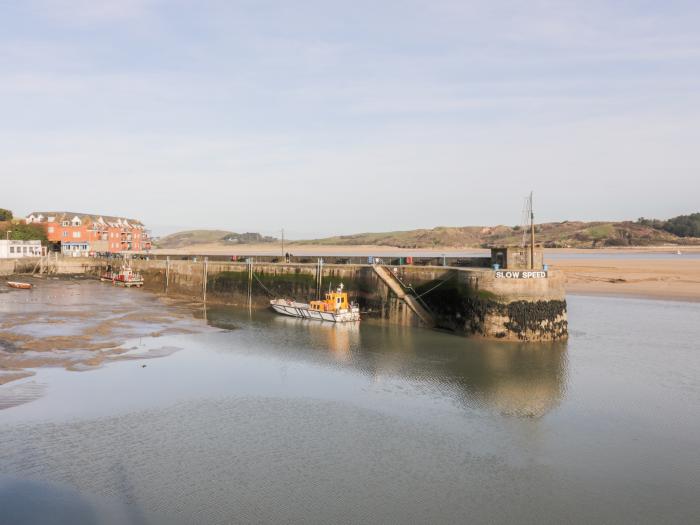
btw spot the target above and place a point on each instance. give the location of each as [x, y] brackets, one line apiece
[341, 340]
[515, 379]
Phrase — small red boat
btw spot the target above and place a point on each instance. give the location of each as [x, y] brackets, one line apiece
[21, 286]
[124, 277]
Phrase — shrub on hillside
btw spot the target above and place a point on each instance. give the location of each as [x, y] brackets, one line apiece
[5, 215]
[684, 225]
[24, 232]
[651, 223]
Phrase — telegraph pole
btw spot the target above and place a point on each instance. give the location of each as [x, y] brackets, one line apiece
[532, 235]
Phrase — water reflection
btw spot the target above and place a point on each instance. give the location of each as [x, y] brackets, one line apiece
[515, 379]
[25, 502]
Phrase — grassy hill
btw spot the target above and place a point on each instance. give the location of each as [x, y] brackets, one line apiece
[567, 234]
[222, 237]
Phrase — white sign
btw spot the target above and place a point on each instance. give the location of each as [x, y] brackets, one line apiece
[520, 274]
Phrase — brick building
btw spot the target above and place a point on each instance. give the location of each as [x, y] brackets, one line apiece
[83, 234]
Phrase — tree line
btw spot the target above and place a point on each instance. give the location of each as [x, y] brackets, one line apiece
[20, 231]
[682, 226]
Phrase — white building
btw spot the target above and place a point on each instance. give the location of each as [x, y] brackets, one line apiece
[10, 249]
[75, 249]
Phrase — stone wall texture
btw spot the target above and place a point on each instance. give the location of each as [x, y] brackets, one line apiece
[465, 301]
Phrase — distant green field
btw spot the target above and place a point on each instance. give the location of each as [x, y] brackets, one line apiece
[602, 231]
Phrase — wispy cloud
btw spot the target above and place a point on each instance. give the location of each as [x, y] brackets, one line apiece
[209, 104]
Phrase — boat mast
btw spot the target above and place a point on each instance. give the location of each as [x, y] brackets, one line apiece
[532, 235]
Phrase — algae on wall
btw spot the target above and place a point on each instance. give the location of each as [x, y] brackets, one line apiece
[460, 308]
[453, 297]
[282, 282]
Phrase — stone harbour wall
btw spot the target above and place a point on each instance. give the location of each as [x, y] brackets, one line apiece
[464, 301]
[470, 302]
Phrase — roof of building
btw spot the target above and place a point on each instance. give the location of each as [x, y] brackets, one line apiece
[91, 217]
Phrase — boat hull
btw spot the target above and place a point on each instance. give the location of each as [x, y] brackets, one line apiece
[303, 311]
[19, 286]
[118, 280]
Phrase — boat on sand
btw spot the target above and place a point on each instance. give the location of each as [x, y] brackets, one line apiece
[126, 277]
[19, 285]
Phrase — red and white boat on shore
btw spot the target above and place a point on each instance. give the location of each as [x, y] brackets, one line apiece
[124, 277]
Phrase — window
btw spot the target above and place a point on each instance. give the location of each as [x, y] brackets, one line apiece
[65, 223]
[50, 229]
[12, 249]
[76, 235]
[65, 233]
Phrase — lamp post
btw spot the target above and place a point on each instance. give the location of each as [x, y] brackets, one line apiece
[7, 235]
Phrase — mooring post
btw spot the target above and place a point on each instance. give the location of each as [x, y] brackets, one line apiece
[204, 284]
[249, 260]
[319, 278]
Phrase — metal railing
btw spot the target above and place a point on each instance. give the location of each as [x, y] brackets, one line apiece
[409, 289]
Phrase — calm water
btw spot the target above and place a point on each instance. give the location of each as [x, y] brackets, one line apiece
[271, 420]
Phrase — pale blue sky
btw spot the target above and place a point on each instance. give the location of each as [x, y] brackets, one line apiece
[336, 117]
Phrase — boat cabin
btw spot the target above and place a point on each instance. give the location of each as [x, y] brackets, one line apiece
[333, 302]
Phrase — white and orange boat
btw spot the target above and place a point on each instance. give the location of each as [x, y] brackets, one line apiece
[19, 285]
[124, 277]
[334, 308]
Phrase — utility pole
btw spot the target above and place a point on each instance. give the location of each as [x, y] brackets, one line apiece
[532, 235]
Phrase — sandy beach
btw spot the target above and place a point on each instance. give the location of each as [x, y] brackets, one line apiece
[649, 278]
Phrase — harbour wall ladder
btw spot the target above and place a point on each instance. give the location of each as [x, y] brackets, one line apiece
[395, 286]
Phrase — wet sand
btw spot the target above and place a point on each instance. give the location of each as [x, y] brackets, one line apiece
[79, 324]
[650, 278]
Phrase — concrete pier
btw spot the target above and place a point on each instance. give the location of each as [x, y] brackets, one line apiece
[466, 301]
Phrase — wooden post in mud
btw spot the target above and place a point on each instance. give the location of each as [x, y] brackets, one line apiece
[532, 235]
[319, 278]
[204, 283]
[250, 282]
[167, 273]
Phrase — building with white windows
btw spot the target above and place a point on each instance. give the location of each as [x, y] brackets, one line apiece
[11, 249]
[79, 234]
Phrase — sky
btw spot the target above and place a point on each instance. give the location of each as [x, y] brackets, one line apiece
[325, 117]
